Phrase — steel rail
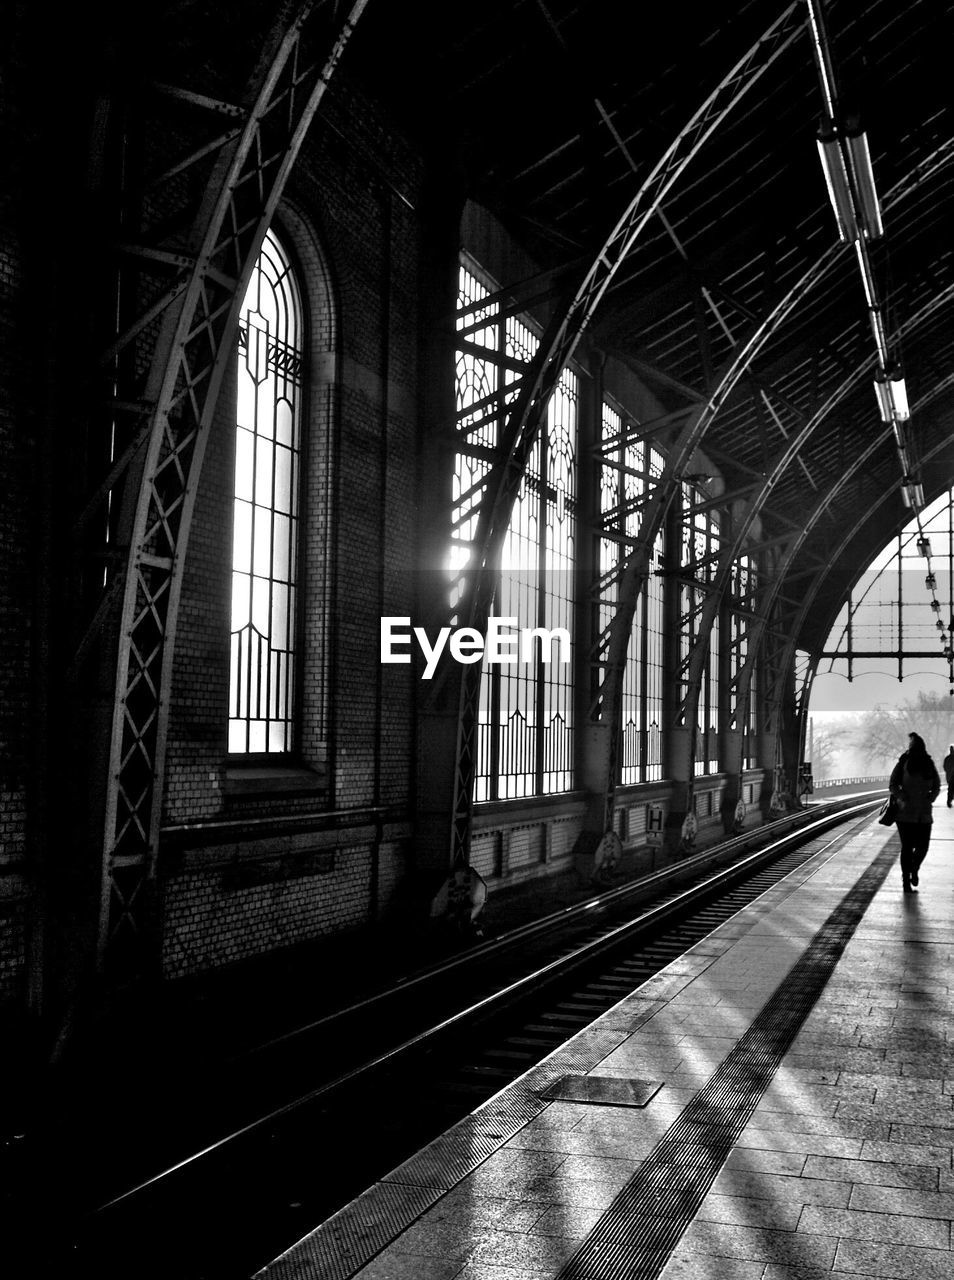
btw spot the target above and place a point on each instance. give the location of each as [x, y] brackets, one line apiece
[647, 921]
[634, 891]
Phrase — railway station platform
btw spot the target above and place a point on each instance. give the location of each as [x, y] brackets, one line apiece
[776, 1104]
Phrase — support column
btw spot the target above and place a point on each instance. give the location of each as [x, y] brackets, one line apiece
[730, 724]
[678, 745]
[594, 757]
[730, 755]
[437, 700]
[778, 728]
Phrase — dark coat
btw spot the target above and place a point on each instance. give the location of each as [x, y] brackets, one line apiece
[914, 792]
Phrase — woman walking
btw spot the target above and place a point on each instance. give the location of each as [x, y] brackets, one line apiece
[914, 784]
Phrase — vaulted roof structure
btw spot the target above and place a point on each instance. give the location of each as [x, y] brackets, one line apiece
[735, 300]
[658, 166]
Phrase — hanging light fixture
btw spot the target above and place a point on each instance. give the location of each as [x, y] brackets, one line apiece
[931, 582]
[849, 177]
[924, 546]
[859, 158]
[912, 494]
[892, 394]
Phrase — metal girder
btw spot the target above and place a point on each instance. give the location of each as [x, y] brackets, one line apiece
[807, 599]
[188, 361]
[689, 439]
[634, 433]
[878, 653]
[847, 629]
[234, 110]
[654, 374]
[803, 687]
[119, 466]
[743, 523]
[725, 499]
[194, 157]
[611, 651]
[513, 301]
[554, 352]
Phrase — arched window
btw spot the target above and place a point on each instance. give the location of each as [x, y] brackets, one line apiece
[896, 621]
[265, 524]
[630, 470]
[525, 733]
[698, 560]
[742, 597]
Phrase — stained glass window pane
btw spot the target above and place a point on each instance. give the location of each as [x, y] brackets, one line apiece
[264, 590]
[628, 473]
[699, 565]
[526, 713]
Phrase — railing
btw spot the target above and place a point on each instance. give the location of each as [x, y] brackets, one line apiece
[872, 780]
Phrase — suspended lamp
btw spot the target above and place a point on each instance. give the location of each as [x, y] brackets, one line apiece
[912, 494]
[892, 394]
[849, 177]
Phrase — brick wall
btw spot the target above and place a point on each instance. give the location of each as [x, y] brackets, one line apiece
[18, 453]
[217, 918]
[355, 250]
[351, 223]
[234, 899]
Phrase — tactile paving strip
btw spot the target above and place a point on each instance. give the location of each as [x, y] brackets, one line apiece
[637, 1234]
[350, 1238]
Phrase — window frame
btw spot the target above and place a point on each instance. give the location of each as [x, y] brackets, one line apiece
[258, 768]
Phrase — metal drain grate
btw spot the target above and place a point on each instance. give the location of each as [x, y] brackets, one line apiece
[607, 1091]
[637, 1234]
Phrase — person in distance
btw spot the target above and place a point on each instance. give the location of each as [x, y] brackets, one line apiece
[914, 783]
[949, 774]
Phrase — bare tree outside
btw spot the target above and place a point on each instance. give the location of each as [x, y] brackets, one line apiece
[880, 735]
[827, 744]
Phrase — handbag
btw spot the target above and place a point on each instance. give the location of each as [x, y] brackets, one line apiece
[888, 814]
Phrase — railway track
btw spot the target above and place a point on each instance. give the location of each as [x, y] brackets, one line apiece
[354, 1093]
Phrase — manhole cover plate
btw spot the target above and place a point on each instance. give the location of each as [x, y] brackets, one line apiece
[606, 1091]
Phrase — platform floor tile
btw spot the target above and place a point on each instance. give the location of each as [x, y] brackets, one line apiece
[843, 1168]
[882, 1039]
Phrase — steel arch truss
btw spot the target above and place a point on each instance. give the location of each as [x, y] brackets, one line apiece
[743, 527]
[809, 597]
[520, 425]
[198, 313]
[621, 586]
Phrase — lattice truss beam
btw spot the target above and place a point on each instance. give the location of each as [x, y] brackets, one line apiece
[183, 269]
[624, 583]
[519, 426]
[807, 599]
[793, 546]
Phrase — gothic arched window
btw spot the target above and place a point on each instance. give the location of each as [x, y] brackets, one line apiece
[526, 725]
[265, 523]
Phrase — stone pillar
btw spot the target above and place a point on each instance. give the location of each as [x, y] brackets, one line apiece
[437, 700]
